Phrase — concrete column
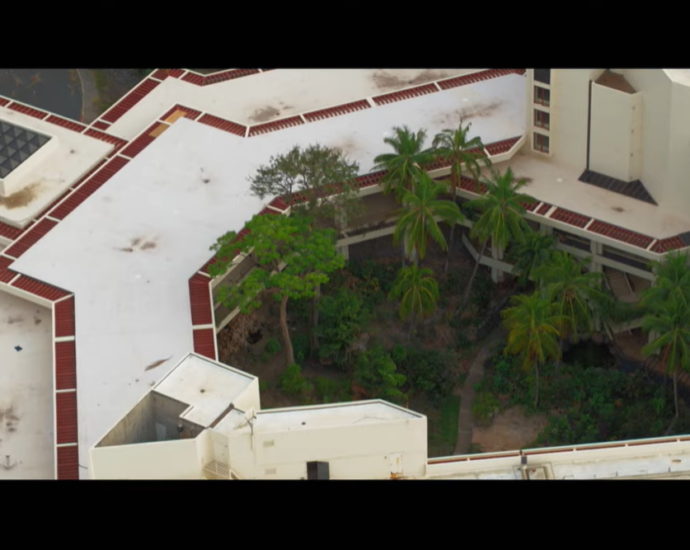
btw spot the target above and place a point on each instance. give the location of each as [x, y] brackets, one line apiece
[344, 250]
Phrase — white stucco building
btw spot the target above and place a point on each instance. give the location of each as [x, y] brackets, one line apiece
[105, 231]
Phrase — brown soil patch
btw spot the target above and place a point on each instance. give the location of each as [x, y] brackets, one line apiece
[512, 429]
[385, 80]
[20, 198]
[262, 115]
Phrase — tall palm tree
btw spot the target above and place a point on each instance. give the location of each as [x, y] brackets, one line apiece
[535, 250]
[532, 324]
[405, 164]
[453, 146]
[672, 328]
[501, 218]
[574, 291]
[417, 221]
[417, 291]
[672, 282]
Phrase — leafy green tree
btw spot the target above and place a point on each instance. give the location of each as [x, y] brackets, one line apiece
[417, 221]
[417, 291]
[320, 180]
[532, 323]
[501, 216]
[404, 166]
[573, 290]
[376, 372]
[454, 146]
[292, 259]
[343, 315]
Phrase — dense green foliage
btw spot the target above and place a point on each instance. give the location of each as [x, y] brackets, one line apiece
[427, 370]
[343, 315]
[293, 382]
[377, 373]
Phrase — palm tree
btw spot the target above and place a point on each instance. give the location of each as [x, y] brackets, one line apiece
[454, 147]
[574, 291]
[672, 327]
[405, 164]
[417, 291]
[532, 332]
[672, 282]
[501, 218]
[417, 221]
[536, 250]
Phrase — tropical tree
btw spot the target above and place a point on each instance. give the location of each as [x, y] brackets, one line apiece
[535, 250]
[672, 329]
[404, 166]
[575, 292]
[417, 291]
[532, 323]
[454, 147]
[500, 218]
[417, 221]
[293, 259]
[667, 316]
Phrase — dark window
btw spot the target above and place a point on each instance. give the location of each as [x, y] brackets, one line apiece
[572, 240]
[541, 142]
[542, 75]
[625, 258]
[541, 119]
[317, 470]
[542, 96]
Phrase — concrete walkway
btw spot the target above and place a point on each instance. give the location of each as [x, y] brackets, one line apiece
[466, 393]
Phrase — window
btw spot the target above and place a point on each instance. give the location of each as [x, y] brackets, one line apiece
[541, 119]
[626, 258]
[542, 75]
[572, 240]
[541, 142]
[542, 96]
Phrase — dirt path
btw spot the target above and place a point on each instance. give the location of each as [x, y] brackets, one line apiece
[474, 376]
[511, 429]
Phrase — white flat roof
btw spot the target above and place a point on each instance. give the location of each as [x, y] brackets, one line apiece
[26, 390]
[208, 386]
[128, 251]
[74, 154]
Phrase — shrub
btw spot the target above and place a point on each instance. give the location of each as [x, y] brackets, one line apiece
[273, 346]
[485, 406]
[376, 278]
[331, 391]
[341, 318]
[427, 371]
[294, 383]
[376, 372]
[300, 346]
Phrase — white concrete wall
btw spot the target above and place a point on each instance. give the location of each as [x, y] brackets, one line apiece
[250, 398]
[615, 133]
[569, 105]
[655, 88]
[177, 459]
[677, 188]
[18, 178]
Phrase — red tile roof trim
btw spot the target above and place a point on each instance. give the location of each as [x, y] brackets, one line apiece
[503, 146]
[30, 238]
[4, 101]
[64, 318]
[371, 179]
[139, 144]
[65, 365]
[228, 75]
[188, 113]
[118, 142]
[275, 125]
[39, 288]
[131, 99]
[200, 300]
[194, 78]
[570, 217]
[279, 203]
[223, 124]
[6, 274]
[162, 74]
[68, 462]
[204, 342]
[66, 416]
[20, 107]
[620, 234]
[337, 110]
[100, 124]
[476, 77]
[65, 123]
[405, 94]
[544, 208]
[9, 231]
[670, 243]
[473, 186]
